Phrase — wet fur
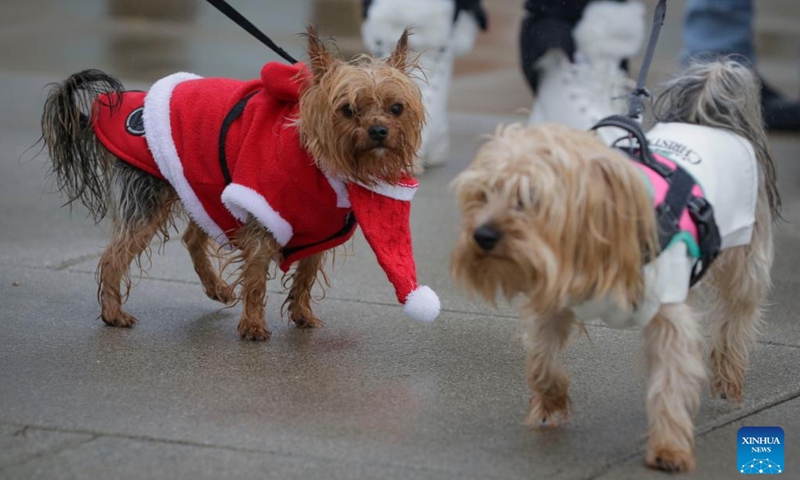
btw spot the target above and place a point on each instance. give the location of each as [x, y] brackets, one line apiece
[142, 207]
[577, 222]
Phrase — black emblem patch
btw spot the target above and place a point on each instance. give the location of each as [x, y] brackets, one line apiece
[134, 124]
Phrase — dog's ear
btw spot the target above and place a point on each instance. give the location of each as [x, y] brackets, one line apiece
[320, 58]
[620, 227]
[399, 57]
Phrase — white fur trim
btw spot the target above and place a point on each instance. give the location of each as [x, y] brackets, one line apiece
[241, 201]
[338, 186]
[430, 20]
[610, 30]
[422, 305]
[398, 192]
[158, 133]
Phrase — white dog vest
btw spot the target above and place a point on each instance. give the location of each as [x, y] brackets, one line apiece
[724, 165]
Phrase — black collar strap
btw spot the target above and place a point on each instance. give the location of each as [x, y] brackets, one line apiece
[234, 113]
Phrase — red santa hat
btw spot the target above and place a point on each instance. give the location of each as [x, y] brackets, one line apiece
[382, 212]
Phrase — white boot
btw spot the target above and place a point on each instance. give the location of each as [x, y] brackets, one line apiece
[439, 41]
[581, 93]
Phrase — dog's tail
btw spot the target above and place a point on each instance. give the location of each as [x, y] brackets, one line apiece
[79, 161]
[722, 94]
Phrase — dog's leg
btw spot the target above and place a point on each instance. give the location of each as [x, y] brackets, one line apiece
[140, 206]
[545, 338]
[300, 294]
[673, 348]
[257, 249]
[197, 243]
[740, 280]
[126, 244]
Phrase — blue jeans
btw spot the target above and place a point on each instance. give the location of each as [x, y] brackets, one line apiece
[718, 27]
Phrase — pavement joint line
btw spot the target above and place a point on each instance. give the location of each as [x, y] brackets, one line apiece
[727, 420]
[778, 401]
[272, 291]
[73, 261]
[54, 451]
[366, 302]
[189, 443]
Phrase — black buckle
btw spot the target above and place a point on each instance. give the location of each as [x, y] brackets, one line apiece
[643, 153]
[668, 225]
[709, 239]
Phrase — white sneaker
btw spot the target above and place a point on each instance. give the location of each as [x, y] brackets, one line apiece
[439, 41]
[581, 93]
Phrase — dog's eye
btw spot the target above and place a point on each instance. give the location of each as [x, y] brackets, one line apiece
[396, 109]
[347, 111]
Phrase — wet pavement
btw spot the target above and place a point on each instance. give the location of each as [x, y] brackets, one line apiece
[372, 395]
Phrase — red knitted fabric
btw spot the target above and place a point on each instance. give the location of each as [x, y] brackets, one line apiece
[385, 223]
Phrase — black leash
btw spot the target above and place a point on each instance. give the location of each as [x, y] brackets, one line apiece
[237, 17]
[636, 99]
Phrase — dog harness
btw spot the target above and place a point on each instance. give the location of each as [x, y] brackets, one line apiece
[704, 184]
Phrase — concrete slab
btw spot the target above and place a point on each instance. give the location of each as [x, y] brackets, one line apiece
[716, 448]
[137, 459]
[372, 395]
[371, 387]
[20, 444]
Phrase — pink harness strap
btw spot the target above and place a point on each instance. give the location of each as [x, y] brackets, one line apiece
[660, 187]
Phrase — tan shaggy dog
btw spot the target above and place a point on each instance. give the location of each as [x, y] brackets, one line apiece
[360, 121]
[558, 217]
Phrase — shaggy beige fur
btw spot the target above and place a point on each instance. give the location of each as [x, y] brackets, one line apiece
[556, 216]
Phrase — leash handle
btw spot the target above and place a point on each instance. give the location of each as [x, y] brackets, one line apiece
[226, 9]
[636, 99]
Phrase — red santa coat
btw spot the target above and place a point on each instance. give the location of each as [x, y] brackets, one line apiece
[230, 149]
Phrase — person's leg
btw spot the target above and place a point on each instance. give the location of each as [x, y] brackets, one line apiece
[443, 30]
[713, 28]
[573, 56]
[547, 25]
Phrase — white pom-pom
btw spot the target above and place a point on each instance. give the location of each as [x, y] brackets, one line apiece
[422, 305]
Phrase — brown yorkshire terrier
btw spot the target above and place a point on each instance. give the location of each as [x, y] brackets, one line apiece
[567, 222]
[276, 168]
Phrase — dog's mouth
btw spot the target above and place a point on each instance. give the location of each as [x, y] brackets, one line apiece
[379, 151]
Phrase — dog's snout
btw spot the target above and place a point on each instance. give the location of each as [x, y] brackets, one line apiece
[378, 132]
[487, 236]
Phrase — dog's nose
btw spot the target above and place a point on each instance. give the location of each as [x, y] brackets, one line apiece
[487, 237]
[378, 132]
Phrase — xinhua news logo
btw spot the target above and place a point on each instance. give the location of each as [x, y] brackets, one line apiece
[760, 450]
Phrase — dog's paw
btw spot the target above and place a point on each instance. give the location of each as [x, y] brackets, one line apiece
[727, 379]
[547, 413]
[670, 459]
[222, 293]
[307, 321]
[255, 333]
[730, 391]
[119, 319]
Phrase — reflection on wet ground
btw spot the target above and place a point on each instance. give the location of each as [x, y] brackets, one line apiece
[146, 39]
